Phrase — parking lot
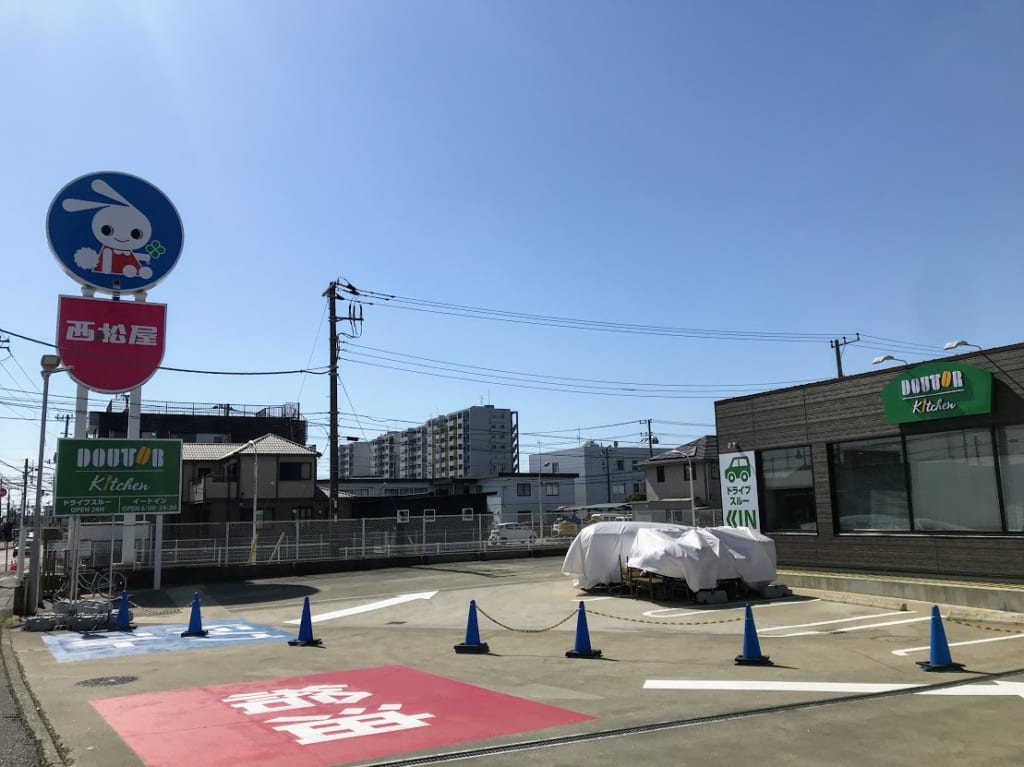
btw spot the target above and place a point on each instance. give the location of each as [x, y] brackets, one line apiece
[386, 687]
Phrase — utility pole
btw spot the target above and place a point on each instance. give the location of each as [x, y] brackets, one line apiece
[650, 442]
[66, 418]
[838, 345]
[607, 473]
[332, 297]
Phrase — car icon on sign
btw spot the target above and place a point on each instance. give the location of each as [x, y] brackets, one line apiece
[739, 468]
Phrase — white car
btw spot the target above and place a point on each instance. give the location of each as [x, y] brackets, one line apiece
[30, 535]
[511, 532]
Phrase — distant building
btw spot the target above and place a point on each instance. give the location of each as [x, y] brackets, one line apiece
[606, 473]
[479, 441]
[688, 472]
[270, 478]
[354, 460]
[202, 423]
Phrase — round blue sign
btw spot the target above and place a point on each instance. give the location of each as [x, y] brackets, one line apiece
[115, 232]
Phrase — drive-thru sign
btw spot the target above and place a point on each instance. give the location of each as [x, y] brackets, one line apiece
[739, 489]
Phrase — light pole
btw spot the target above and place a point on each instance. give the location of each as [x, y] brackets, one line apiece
[255, 489]
[540, 497]
[50, 364]
[887, 358]
[689, 470]
[949, 346]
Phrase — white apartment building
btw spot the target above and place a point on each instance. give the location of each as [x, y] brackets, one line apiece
[354, 460]
[606, 473]
[479, 441]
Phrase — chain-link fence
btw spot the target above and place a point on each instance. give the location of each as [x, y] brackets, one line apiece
[113, 546]
[234, 543]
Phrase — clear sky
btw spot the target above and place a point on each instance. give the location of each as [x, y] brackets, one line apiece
[710, 191]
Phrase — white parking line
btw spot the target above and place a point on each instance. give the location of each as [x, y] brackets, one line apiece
[829, 623]
[880, 625]
[711, 684]
[909, 650]
[1000, 687]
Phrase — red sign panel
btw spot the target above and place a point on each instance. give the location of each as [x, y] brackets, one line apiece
[319, 720]
[110, 346]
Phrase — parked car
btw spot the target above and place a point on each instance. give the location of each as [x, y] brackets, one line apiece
[564, 528]
[30, 535]
[606, 518]
[511, 532]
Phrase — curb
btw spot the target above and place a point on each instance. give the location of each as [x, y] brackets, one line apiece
[949, 611]
[48, 749]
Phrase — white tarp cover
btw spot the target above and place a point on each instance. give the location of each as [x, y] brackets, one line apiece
[701, 556]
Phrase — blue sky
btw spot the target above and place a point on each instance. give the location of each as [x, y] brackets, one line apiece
[805, 169]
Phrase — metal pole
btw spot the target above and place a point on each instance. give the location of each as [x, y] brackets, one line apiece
[21, 558]
[332, 501]
[693, 510]
[34, 562]
[255, 491]
[540, 487]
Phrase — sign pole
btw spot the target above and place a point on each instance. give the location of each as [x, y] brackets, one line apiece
[118, 234]
[128, 520]
[75, 526]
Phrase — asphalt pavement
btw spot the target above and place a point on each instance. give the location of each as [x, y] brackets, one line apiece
[843, 686]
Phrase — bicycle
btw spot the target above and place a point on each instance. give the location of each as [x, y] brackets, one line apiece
[108, 583]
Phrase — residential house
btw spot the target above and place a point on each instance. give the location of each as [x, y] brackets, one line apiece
[269, 478]
[687, 474]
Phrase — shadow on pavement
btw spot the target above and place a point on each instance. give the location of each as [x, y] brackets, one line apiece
[247, 592]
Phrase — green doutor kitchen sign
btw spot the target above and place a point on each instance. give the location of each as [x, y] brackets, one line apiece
[117, 476]
[937, 390]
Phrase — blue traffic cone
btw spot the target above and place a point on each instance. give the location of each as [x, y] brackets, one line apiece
[124, 617]
[582, 648]
[939, 659]
[305, 630]
[472, 643]
[195, 621]
[751, 647]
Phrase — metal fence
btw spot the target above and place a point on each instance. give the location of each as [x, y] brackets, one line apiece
[239, 543]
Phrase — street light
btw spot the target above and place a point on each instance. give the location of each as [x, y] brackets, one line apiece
[689, 468]
[50, 364]
[255, 489]
[887, 358]
[955, 344]
[540, 496]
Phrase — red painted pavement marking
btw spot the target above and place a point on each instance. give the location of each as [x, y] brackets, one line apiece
[319, 720]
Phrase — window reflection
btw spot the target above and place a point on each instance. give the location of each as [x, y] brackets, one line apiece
[788, 489]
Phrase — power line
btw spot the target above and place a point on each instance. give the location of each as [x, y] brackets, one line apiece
[476, 312]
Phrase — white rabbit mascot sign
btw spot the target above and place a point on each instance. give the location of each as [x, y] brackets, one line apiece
[114, 232]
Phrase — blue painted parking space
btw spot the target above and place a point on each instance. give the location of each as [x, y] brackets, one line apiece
[74, 646]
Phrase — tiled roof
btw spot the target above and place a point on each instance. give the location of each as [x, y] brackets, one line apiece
[271, 444]
[205, 451]
[268, 444]
[702, 449]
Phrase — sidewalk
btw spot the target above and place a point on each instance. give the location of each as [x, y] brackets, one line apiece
[27, 742]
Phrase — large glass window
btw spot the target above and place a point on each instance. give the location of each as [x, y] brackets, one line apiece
[871, 485]
[787, 486]
[953, 481]
[1011, 469]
